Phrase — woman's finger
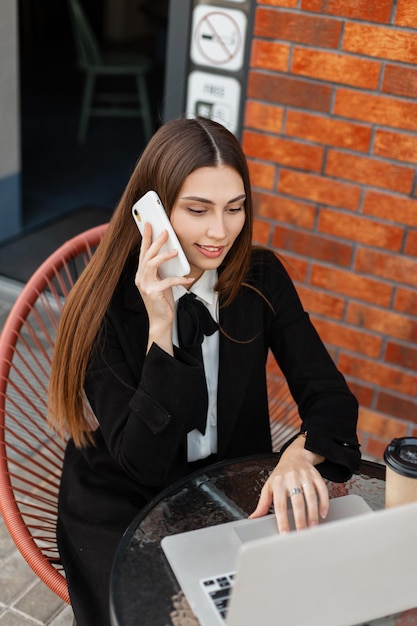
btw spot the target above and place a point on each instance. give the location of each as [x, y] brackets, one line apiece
[146, 240]
[281, 508]
[323, 492]
[150, 249]
[311, 502]
[298, 505]
[264, 502]
[280, 486]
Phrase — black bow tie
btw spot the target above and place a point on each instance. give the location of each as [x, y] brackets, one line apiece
[194, 322]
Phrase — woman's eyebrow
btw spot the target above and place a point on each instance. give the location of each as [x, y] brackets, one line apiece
[207, 201]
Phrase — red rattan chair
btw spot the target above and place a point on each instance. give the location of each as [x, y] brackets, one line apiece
[30, 454]
[283, 412]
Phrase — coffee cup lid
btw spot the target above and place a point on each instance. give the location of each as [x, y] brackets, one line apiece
[401, 456]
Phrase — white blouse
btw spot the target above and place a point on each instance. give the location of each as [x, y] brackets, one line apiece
[201, 446]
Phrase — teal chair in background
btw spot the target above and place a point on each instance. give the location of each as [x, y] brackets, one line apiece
[94, 63]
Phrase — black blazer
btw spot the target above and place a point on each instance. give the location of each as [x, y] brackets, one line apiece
[142, 401]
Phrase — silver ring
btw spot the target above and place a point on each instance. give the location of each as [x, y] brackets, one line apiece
[295, 491]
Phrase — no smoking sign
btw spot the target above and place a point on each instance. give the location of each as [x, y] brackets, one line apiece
[218, 37]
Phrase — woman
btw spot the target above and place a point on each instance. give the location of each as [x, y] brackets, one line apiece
[126, 393]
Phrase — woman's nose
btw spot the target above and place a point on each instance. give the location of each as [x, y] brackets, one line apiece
[217, 227]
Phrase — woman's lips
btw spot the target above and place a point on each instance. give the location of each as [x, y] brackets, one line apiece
[211, 252]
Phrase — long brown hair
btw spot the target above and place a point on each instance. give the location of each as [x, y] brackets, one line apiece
[176, 150]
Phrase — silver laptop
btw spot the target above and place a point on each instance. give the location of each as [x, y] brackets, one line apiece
[242, 573]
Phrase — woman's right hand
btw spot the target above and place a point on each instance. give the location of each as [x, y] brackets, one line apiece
[155, 291]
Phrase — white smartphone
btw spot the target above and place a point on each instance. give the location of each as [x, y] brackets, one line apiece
[149, 209]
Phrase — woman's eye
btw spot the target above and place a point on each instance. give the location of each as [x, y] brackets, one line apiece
[196, 211]
[202, 211]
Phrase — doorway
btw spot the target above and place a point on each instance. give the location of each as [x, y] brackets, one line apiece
[59, 174]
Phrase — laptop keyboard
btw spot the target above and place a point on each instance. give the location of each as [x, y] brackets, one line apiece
[219, 590]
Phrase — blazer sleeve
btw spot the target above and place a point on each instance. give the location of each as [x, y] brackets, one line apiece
[328, 409]
[141, 419]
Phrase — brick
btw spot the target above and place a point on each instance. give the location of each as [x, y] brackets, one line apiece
[328, 131]
[321, 303]
[383, 110]
[333, 353]
[40, 603]
[319, 189]
[381, 42]
[297, 268]
[312, 246]
[16, 577]
[397, 209]
[280, 3]
[376, 373]
[380, 425]
[360, 9]
[375, 448]
[399, 80]
[261, 174]
[363, 393]
[263, 116]
[283, 151]
[397, 268]
[285, 210]
[406, 13]
[404, 356]
[353, 285]
[360, 229]
[411, 243]
[336, 68]
[297, 27]
[406, 301]
[387, 323]
[347, 337]
[289, 91]
[270, 55]
[398, 146]
[397, 406]
[370, 171]
[261, 232]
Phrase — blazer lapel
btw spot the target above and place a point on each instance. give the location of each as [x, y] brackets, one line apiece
[235, 366]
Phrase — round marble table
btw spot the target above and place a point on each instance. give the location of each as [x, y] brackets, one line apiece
[145, 592]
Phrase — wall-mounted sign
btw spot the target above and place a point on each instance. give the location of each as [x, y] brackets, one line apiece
[214, 96]
[207, 59]
[218, 37]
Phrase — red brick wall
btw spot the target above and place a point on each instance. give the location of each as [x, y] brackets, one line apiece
[330, 132]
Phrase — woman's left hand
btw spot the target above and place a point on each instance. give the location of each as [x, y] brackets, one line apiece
[295, 477]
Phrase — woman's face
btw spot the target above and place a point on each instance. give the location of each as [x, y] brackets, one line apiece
[208, 215]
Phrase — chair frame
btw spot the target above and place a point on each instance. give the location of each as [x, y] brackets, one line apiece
[284, 418]
[31, 454]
